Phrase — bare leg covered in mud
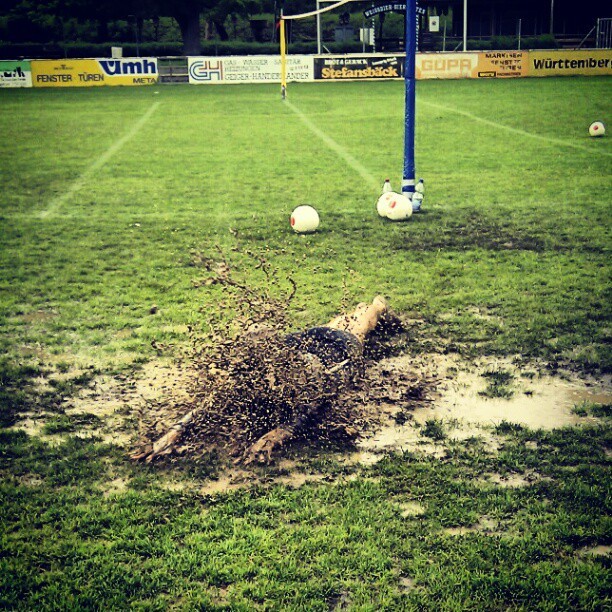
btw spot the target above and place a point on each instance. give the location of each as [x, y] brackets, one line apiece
[362, 320]
[331, 351]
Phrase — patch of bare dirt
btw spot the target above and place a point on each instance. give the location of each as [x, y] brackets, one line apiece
[485, 525]
[37, 316]
[514, 481]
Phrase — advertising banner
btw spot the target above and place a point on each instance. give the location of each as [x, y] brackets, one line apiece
[94, 72]
[15, 74]
[358, 67]
[566, 63]
[249, 69]
[502, 64]
[446, 65]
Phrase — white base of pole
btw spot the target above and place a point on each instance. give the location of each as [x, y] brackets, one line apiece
[408, 187]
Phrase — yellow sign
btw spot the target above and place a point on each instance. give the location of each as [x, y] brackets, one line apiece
[94, 72]
[560, 63]
[502, 64]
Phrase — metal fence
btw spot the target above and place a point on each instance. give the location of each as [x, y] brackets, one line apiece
[603, 35]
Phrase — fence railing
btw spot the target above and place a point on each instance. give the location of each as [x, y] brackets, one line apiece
[603, 35]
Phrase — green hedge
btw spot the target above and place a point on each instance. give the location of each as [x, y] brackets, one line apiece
[74, 50]
[214, 48]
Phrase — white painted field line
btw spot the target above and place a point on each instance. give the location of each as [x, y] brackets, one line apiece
[97, 164]
[356, 165]
[513, 130]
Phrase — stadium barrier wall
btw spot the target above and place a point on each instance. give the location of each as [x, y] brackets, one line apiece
[94, 72]
[266, 68]
[249, 69]
[567, 63]
[486, 64]
[470, 65]
[352, 67]
[15, 74]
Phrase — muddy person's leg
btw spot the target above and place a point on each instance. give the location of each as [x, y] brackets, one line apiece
[362, 320]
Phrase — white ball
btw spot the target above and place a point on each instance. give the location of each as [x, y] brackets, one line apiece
[597, 128]
[304, 219]
[400, 208]
[382, 206]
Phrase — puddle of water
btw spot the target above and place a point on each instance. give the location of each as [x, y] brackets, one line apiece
[515, 481]
[484, 525]
[364, 458]
[228, 481]
[596, 551]
[411, 509]
[540, 403]
[395, 438]
[543, 402]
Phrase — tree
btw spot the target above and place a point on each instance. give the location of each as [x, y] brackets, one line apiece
[31, 17]
[187, 14]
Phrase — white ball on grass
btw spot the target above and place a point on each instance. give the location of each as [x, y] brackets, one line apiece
[304, 219]
[382, 206]
[400, 208]
[597, 128]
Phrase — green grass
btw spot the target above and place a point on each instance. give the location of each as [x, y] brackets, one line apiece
[499, 384]
[510, 256]
[515, 227]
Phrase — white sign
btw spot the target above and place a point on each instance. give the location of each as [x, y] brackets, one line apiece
[250, 69]
[434, 24]
[446, 65]
[366, 35]
[15, 74]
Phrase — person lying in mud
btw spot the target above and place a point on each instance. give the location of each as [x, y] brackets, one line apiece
[330, 352]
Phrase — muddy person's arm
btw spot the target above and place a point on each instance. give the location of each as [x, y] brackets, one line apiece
[167, 443]
[262, 450]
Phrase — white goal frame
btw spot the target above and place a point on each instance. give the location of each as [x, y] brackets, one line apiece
[318, 16]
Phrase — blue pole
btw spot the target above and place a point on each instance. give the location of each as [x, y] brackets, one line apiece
[408, 181]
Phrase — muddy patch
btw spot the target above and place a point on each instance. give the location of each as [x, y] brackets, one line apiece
[39, 316]
[461, 406]
[485, 525]
[107, 408]
[115, 487]
[536, 401]
[395, 414]
[410, 509]
[601, 550]
[395, 409]
[514, 481]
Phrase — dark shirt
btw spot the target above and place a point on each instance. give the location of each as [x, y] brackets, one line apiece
[331, 346]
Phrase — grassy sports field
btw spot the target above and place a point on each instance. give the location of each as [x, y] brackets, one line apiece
[110, 200]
